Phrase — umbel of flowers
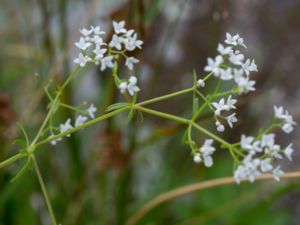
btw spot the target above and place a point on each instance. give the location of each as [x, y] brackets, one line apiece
[254, 155]
[93, 49]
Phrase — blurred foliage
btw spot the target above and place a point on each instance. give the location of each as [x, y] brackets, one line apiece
[105, 173]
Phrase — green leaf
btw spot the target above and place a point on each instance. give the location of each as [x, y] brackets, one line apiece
[24, 133]
[141, 116]
[195, 105]
[131, 114]
[56, 106]
[116, 106]
[23, 170]
[20, 142]
[185, 137]
[195, 77]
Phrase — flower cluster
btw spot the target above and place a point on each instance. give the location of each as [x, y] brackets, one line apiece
[130, 86]
[262, 152]
[230, 64]
[223, 105]
[79, 121]
[205, 153]
[94, 49]
[287, 119]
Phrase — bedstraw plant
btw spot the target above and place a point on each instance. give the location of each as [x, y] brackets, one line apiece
[252, 155]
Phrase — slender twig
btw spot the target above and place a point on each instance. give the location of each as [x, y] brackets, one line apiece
[53, 105]
[137, 216]
[44, 190]
[11, 160]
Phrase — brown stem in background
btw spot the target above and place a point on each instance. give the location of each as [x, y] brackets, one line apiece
[137, 216]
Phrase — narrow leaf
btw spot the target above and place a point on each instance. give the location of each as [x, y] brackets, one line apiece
[116, 106]
[23, 170]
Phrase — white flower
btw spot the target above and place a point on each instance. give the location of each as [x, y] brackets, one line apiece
[97, 30]
[82, 60]
[236, 58]
[224, 50]
[207, 150]
[119, 27]
[130, 61]
[222, 106]
[66, 126]
[85, 32]
[201, 83]
[226, 74]
[277, 172]
[197, 158]
[249, 144]
[266, 165]
[91, 111]
[80, 120]
[220, 126]
[282, 114]
[98, 41]
[230, 103]
[279, 112]
[82, 44]
[249, 67]
[231, 119]
[239, 174]
[208, 161]
[107, 62]
[54, 142]
[246, 142]
[116, 42]
[240, 41]
[123, 86]
[249, 169]
[132, 87]
[268, 140]
[245, 85]
[213, 65]
[237, 74]
[129, 33]
[234, 40]
[287, 128]
[132, 43]
[219, 106]
[288, 151]
[99, 53]
[231, 40]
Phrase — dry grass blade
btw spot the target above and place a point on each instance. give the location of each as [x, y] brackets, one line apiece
[136, 217]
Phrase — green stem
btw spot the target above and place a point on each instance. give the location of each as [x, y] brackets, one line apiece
[98, 119]
[162, 114]
[153, 100]
[184, 121]
[53, 104]
[73, 108]
[11, 160]
[43, 187]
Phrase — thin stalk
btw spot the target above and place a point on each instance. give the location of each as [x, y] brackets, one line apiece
[182, 120]
[162, 114]
[153, 100]
[43, 187]
[11, 160]
[98, 119]
[53, 105]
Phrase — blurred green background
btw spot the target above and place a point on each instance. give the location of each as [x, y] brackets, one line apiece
[105, 173]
